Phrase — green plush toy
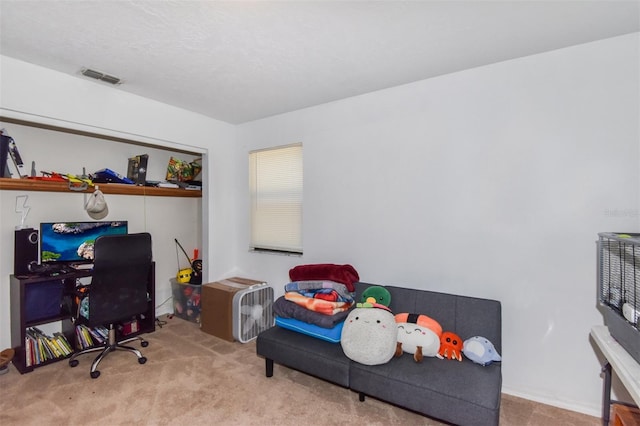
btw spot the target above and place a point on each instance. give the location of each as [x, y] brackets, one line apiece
[375, 296]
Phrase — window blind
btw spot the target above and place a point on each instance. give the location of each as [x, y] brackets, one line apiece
[275, 180]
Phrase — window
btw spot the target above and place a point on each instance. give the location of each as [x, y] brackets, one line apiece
[275, 181]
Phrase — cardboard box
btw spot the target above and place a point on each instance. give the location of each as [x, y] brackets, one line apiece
[217, 305]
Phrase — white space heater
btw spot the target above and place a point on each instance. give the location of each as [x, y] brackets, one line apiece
[252, 312]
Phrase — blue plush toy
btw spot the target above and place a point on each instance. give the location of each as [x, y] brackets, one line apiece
[480, 350]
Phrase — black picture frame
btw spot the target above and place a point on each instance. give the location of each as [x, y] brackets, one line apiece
[4, 156]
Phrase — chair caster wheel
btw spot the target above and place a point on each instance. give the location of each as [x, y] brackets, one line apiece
[73, 362]
[142, 360]
[144, 344]
[95, 374]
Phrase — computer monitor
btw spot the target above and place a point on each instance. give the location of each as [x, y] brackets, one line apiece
[72, 242]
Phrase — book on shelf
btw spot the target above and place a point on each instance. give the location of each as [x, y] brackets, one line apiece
[16, 158]
[83, 337]
[87, 336]
[61, 344]
[40, 347]
[35, 353]
[80, 344]
[28, 351]
[35, 349]
[42, 350]
[137, 169]
[99, 334]
[4, 155]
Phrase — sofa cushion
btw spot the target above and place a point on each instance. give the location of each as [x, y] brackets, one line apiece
[463, 315]
[307, 354]
[457, 392]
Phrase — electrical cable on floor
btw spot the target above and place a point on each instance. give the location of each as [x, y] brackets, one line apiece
[166, 300]
[158, 320]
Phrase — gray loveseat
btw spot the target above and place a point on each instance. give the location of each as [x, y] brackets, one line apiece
[462, 393]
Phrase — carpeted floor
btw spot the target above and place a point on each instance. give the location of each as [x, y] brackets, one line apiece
[192, 378]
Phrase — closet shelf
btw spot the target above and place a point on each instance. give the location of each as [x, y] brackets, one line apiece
[10, 184]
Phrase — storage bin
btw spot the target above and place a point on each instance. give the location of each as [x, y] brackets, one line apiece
[42, 300]
[186, 300]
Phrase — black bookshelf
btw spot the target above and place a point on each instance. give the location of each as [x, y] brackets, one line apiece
[27, 314]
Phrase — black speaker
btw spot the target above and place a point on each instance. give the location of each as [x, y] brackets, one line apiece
[26, 250]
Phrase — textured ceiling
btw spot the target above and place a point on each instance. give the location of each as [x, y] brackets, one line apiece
[241, 61]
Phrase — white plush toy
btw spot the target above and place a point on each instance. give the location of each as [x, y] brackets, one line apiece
[369, 334]
[418, 335]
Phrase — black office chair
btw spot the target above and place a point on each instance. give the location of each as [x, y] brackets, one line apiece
[118, 291]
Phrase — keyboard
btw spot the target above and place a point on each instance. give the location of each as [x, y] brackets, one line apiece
[83, 266]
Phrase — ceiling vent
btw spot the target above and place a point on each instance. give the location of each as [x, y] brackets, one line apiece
[101, 76]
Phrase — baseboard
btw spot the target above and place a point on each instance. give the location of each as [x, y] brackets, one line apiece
[591, 410]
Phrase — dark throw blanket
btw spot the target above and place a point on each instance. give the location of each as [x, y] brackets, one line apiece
[345, 274]
[287, 309]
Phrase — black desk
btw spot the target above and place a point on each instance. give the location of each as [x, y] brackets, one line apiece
[49, 294]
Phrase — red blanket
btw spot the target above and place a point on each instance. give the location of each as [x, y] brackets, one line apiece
[345, 274]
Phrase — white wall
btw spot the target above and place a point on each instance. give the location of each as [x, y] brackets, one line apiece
[45, 96]
[492, 182]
